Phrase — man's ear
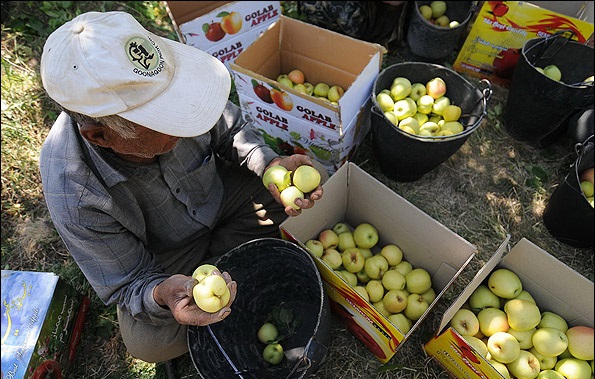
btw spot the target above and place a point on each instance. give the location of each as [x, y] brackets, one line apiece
[95, 134]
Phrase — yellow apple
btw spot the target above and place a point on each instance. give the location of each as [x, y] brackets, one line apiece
[393, 280]
[328, 238]
[574, 368]
[549, 342]
[580, 342]
[522, 314]
[278, 175]
[401, 322]
[418, 281]
[395, 301]
[503, 347]
[525, 366]
[376, 266]
[267, 333]
[365, 235]
[465, 322]
[416, 306]
[392, 253]
[505, 283]
[479, 346]
[289, 195]
[211, 294]
[375, 290]
[492, 320]
[353, 259]
[306, 178]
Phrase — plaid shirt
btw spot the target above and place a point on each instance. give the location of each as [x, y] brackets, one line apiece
[126, 236]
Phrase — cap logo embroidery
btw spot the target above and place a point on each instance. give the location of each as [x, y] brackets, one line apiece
[145, 55]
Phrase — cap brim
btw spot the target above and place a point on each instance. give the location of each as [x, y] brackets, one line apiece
[193, 101]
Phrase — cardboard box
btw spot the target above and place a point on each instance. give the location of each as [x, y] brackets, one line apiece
[323, 56]
[353, 196]
[202, 24]
[42, 323]
[554, 286]
[494, 43]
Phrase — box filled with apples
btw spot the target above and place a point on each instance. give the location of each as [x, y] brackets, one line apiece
[307, 89]
[524, 316]
[222, 28]
[384, 263]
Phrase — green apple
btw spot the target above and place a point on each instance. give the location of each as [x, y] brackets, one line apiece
[362, 277]
[418, 281]
[482, 297]
[580, 342]
[341, 227]
[392, 253]
[438, 8]
[289, 195]
[425, 104]
[211, 294]
[465, 322]
[404, 267]
[416, 306]
[367, 253]
[421, 118]
[365, 235]
[492, 320]
[525, 366]
[335, 93]
[550, 374]
[429, 128]
[328, 238]
[353, 259]
[392, 117]
[405, 108]
[321, 89]
[375, 290]
[442, 21]
[425, 11]
[400, 88]
[278, 175]
[451, 113]
[574, 368]
[545, 363]
[301, 88]
[505, 283]
[410, 123]
[395, 301]
[273, 353]
[385, 102]
[587, 188]
[268, 333]
[553, 72]
[361, 290]
[346, 241]
[503, 347]
[306, 178]
[522, 314]
[436, 87]
[284, 79]
[309, 88]
[407, 129]
[332, 258]
[500, 367]
[429, 295]
[401, 322]
[550, 342]
[477, 344]
[525, 295]
[379, 305]
[417, 91]
[524, 337]
[552, 320]
[375, 266]
[315, 247]
[203, 271]
[440, 104]
[349, 277]
[393, 280]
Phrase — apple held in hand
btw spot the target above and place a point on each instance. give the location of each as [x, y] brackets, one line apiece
[273, 353]
[306, 178]
[289, 195]
[211, 294]
[203, 271]
[268, 333]
[278, 175]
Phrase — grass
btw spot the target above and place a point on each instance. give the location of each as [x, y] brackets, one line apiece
[491, 187]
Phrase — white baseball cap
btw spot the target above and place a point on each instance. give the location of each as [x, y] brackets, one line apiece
[106, 63]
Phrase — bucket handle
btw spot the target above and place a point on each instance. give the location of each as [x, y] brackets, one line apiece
[485, 87]
[581, 149]
[551, 44]
[304, 363]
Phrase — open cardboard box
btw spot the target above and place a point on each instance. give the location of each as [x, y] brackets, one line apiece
[554, 286]
[353, 196]
[323, 56]
[192, 19]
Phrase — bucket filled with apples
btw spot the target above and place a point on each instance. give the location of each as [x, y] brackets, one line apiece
[279, 326]
[422, 113]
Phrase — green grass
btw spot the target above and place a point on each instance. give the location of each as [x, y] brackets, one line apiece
[492, 186]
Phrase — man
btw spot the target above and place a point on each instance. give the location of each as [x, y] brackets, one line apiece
[149, 171]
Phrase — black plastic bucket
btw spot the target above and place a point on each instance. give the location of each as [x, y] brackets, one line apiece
[538, 108]
[270, 272]
[568, 216]
[431, 42]
[406, 157]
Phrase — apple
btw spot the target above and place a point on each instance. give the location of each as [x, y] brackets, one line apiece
[400, 88]
[436, 88]
[385, 102]
[365, 235]
[553, 72]
[492, 320]
[429, 128]
[379, 305]
[549, 342]
[477, 344]
[421, 118]
[404, 267]
[587, 188]
[289, 195]
[306, 178]
[262, 92]
[522, 314]
[395, 301]
[550, 374]
[580, 342]
[526, 366]
[297, 76]
[391, 117]
[453, 24]
[417, 91]
[277, 175]
[375, 290]
[465, 322]
[440, 104]
[401, 322]
[392, 253]
[416, 306]
[425, 11]
[409, 123]
[273, 353]
[341, 227]
[505, 283]
[503, 347]
[315, 247]
[353, 260]
[362, 277]
[367, 253]
[407, 129]
[267, 333]
[335, 93]
[442, 21]
[525, 295]
[545, 363]
[574, 368]
[524, 337]
[500, 367]
[203, 271]
[482, 297]
[438, 8]
[552, 320]
[349, 277]
[425, 104]
[375, 266]
[346, 240]
[393, 280]
[429, 295]
[328, 238]
[361, 290]
[451, 113]
[213, 31]
[281, 99]
[211, 294]
[231, 22]
[309, 88]
[284, 80]
[405, 108]
[321, 89]
[332, 258]
[418, 281]
[301, 88]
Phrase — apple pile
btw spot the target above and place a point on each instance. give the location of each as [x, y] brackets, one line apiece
[586, 183]
[296, 79]
[211, 292]
[378, 273]
[273, 351]
[435, 14]
[421, 109]
[504, 324]
[292, 185]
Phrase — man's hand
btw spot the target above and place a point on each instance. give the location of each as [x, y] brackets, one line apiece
[175, 292]
[291, 163]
